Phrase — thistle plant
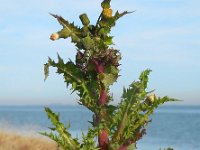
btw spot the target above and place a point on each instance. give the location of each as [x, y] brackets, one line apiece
[95, 69]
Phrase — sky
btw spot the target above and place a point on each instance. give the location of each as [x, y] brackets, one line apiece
[162, 35]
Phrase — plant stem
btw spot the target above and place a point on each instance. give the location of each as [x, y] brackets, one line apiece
[103, 139]
[103, 136]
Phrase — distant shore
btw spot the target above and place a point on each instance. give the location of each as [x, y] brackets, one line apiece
[13, 140]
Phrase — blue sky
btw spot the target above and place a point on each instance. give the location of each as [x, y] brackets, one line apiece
[162, 35]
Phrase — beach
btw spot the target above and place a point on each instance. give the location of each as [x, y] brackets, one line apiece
[13, 140]
[25, 141]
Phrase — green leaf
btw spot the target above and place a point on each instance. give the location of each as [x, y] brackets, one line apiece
[108, 40]
[104, 31]
[131, 147]
[69, 70]
[79, 82]
[133, 112]
[89, 141]
[64, 33]
[64, 139]
[69, 30]
[88, 43]
[66, 24]
[108, 79]
[119, 15]
[144, 78]
[46, 70]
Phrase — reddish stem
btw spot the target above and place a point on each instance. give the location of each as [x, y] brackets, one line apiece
[103, 138]
[103, 97]
[123, 147]
[99, 66]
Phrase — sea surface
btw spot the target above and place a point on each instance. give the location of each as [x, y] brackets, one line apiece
[172, 126]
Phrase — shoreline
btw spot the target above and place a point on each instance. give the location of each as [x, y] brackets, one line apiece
[16, 140]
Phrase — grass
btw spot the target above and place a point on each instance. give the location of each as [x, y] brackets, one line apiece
[20, 141]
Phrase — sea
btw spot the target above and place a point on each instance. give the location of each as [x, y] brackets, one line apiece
[177, 127]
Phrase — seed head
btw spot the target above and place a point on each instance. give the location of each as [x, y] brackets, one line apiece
[54, 36]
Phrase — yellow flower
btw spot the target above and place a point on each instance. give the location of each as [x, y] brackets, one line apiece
[107, 12]
[54, 36]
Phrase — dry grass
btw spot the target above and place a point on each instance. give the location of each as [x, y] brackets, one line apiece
[20, 141]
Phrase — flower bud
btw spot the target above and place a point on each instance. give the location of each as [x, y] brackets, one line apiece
[151, 98]
[54, 36]
[84, 19]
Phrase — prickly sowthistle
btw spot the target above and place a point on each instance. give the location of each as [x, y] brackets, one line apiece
[95, 69]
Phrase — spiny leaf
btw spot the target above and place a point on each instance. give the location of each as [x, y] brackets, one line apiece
[75, 77]
[88, 43]
[66, 24]
[69, 70]
[89, 141]
[127, 117]
[46, 71]
[108, 79]
[119, 15]
[62, 130]
[144, 77]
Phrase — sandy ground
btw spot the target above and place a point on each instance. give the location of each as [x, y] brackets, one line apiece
[21, 141]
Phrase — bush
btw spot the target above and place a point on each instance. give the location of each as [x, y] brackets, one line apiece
[95, 69]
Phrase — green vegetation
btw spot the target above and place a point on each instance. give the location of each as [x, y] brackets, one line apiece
[95, 69]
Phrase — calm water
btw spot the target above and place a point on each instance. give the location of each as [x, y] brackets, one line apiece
[171, 126]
